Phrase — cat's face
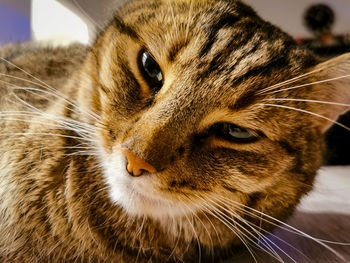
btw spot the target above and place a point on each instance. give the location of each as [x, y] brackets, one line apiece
[181, 85]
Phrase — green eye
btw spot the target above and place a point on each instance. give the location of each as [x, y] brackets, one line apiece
[234, 133]
[150, 70]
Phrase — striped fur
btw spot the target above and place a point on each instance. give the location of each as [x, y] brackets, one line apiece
[217, 58]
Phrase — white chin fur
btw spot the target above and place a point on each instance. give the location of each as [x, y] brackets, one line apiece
[137, 195]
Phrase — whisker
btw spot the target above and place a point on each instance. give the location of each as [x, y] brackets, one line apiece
[46, 134]
[189, 20]
[197, 238]
[312, 101]
[51, 117]
[12, 64]
[84, 153]
[75, 109]
[288, 227]
[252, 225]
[173, 17]
[201, 206]
[75, 147]
[48, 87]
[289, 81]
[23, 79]
[308, 112]
[176, 242]
[58, 125]
[243, 237]
[309, 84]
[65, 122]
[271, 251]
[217, 214]
[205, 228]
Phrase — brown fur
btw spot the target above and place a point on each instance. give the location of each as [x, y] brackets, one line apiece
[59, 207]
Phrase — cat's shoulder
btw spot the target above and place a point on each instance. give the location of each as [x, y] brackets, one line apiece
[36, 65]
[41, 59]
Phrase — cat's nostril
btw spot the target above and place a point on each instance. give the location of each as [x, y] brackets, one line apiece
[137, 166]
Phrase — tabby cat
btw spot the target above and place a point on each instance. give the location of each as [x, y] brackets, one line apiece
[187, 131]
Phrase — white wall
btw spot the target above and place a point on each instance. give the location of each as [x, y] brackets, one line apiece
[55, 23]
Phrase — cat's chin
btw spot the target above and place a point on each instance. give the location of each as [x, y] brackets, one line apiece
[138, 196]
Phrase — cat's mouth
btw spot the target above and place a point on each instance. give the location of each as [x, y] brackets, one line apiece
[139, 196]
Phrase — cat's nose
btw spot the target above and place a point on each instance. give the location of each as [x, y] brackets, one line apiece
[137, 166]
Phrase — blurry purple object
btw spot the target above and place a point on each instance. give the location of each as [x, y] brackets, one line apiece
[14, 26]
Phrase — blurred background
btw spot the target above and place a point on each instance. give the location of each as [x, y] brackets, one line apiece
[63, 21]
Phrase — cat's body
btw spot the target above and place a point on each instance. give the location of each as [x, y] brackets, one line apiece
[118, 168]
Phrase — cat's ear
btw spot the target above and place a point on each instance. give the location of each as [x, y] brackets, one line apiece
[332, 86]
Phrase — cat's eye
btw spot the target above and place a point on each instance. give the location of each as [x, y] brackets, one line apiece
[150, 70]
[234, 133]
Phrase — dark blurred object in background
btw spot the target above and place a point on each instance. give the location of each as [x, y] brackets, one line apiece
[319, 20]
[338, 143]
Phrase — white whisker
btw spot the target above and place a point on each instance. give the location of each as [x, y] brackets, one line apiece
[173, 18]
[289, 81]
[270, 251]
[309, 84]
[75, 109]
[252, 225]
[288, 227]
[59, 125]
[48, 87]
[217, 214]
[89, 153]
[243, 208]
[305, 111]
[46, 134]
[189, 19]
[197, 238]
[205, 228]
[312, 101]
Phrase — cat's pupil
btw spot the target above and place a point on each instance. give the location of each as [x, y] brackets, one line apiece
[234, 133]
[152, 71]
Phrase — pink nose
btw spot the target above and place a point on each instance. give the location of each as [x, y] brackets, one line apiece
[137, 166]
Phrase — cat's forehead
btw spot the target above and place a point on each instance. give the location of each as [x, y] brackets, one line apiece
[217, 50]
[211, 31]
[169, 19]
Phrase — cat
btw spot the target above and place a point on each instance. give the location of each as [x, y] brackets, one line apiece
[185, 133]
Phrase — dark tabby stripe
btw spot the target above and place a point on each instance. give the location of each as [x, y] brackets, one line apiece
[230, 189]
[237, 42]
[279, 62]
[142, 6]
[254, 198]
[287, 147]
[175, 49]
[226, 20]
[124, 28]
[247, 99]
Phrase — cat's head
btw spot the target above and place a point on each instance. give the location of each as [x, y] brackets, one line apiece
[203, 104]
